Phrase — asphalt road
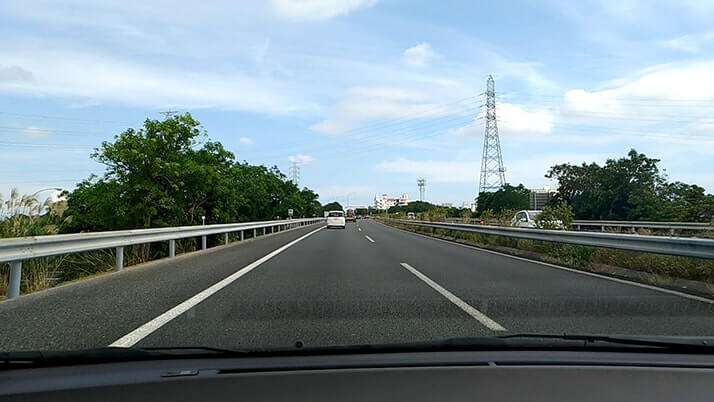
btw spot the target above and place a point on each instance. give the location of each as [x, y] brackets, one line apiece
[369, 283]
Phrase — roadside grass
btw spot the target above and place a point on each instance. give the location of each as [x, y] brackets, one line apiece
[660, 269]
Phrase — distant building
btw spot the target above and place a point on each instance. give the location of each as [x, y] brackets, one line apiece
[447, 204]
[383, 201]
[541, 197]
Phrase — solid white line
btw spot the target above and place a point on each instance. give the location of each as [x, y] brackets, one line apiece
[577, 271]
[145, 330]
[368, 238]
[479, 316]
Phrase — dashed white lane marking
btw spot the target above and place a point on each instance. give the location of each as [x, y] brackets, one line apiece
[479, 316]
[145, 330]
[369, 238]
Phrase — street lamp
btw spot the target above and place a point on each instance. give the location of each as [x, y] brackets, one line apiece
[203, 219]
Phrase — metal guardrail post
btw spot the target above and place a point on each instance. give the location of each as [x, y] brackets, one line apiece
[225, 238]
[203, 242]
[120, 259]
[172, 248]
[241, 235]
[255, 233]
[13, 289]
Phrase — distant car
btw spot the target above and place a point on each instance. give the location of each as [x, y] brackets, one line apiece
[336, 219]
[359, 216]
[350, 216]
[410, 215]
[527, 219]
[366, 216]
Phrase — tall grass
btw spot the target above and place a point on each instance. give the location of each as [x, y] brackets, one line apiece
[23, 215]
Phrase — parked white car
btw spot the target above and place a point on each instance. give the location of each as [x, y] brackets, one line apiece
[527, 219]
[336, 219]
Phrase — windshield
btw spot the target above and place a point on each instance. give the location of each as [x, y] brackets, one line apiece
[265, 174]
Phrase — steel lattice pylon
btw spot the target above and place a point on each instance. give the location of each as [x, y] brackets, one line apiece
[492, 172]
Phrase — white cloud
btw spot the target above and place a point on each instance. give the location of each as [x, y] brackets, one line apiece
[14, 73]
[662, 99]
[317, 9]
[102, 79]
[512, 119]
[245, 140]
[419, 55]
[692, 43]
[36, 132]
[527, 170]
[300, 159]
[365, 104]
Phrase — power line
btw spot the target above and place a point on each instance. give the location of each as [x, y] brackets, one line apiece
[169, 113]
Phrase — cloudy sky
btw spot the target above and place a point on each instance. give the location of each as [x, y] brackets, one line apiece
[365, 95]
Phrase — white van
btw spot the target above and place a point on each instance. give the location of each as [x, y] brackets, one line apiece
[336, 219]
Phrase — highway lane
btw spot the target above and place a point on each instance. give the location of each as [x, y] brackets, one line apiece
[97, 311]
[533, 297]
[334, 287]
[369, 283]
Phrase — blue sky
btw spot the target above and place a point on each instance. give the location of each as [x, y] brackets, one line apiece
[367, 95]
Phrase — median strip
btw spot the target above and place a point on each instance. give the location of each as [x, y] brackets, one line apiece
[145, 330]
[479, 316]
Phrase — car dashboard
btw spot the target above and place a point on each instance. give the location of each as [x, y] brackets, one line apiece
[420, 376]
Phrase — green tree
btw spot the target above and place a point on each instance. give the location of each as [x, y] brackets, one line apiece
[555, 216]
[508, 197]
[333, 206]
[630, 188]
[168, 173]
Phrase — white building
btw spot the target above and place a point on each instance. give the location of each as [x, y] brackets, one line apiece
[383, 201]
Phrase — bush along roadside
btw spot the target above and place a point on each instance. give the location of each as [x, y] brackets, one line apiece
[686, 274]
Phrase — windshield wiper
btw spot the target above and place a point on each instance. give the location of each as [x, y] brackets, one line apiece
[668, 343]
[108, 354]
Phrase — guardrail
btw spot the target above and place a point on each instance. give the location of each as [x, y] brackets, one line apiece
[16, 250]
[671, 226]
[683, 246]
[633, 225]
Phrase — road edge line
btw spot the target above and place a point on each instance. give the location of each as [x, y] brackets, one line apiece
[157, 322]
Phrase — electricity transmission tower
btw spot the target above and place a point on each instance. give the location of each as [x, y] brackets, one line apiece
[295, 173]
[421, 182]
[492, 171]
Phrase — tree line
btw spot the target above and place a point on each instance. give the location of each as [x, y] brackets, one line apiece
[628, 188]
[169, 173]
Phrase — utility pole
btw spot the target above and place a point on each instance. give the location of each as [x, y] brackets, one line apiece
[492, 171]
[168, 113]
[421, 182]
[295, 174]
